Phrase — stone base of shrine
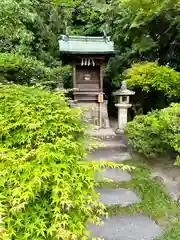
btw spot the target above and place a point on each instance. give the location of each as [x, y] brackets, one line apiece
[94, 113]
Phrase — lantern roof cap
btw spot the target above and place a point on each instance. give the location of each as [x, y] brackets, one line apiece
[123, 92]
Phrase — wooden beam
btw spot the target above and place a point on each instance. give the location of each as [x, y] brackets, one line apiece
[74, 74]
[101, 77]
[91, 56]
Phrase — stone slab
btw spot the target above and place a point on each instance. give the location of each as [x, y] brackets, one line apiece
[110, 144]
[173, 189]
[172, 186]
[126, 227]
[118, 196]
[102, 132]
[115, 174]
[110, 154]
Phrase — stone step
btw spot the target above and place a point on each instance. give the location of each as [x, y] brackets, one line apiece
[110, 154]
[102, 133]
[114, 138]
[126, 227]
[118, 144]
[115, 174]
[118, 196]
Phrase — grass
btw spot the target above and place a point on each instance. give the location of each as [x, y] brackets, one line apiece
[155, 203]
[173, 230]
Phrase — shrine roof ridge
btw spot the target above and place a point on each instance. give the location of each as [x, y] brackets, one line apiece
[86, 45]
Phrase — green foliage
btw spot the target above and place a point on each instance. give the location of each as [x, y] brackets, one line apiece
[22, 70]
[31, 28]
[144, 10]
[29, 32]
[172, 231]
[143, 31]
[156, 132]
[149, 76]
[82, 18]
[47, 190]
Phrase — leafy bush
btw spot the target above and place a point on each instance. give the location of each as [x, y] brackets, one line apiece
[22, 70]
[47, 191]
[156, 132]
[150, 76]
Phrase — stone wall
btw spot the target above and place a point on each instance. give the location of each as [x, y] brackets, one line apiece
[92, 113]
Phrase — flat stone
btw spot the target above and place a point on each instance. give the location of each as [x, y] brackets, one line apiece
[113, 143]
[126, 227]
[110, 154]
[118, 196]
[102, 132]
[171, 187]
[107, 144]
[115, 174]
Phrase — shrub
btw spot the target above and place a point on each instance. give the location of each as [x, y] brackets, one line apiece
[24, 70]
[47, 191]
[156, 132]
[150, 76]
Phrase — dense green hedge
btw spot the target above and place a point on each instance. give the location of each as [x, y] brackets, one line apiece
[156, 132]
[150, 76]
[23, 70]
[46, 190]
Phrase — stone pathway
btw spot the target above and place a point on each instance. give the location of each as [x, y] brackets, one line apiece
[120, 227]
[125, 227]
[116, 175]
[117, 196]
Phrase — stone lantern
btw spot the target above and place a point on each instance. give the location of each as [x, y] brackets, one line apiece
[123, 104]
[59, 87]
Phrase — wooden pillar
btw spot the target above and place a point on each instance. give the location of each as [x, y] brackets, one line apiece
[74, 74]
[101, 78]
[101, 102]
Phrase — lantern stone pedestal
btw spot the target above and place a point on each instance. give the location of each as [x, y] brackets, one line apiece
[123, 104]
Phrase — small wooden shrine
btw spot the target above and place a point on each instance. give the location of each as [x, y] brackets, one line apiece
[88, 56]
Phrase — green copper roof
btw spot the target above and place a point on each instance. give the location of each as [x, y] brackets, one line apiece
[86, 45]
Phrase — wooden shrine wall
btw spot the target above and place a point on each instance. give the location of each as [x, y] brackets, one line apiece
[90, 84]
